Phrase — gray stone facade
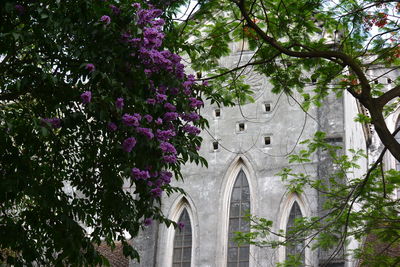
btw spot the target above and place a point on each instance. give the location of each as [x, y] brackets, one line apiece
[255, 138]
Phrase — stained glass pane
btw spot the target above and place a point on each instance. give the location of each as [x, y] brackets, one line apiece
[183, 242]
[239, 207]
[296, 247]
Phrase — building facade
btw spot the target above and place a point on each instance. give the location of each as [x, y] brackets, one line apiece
[246, 146]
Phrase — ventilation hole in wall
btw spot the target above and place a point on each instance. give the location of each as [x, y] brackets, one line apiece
[267, 140]
[267, 107]
[376, 82]
[215, 145]
[389, 80]
[217, 113]
[241, 126]
[313, 80]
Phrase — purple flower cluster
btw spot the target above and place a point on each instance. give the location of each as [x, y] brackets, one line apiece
[156, 192]
[54, 122]
[131, 120]
[90, 67]
[146, 132]
[193, 116]
[129, 144]
[105, 19]
[119, 103]
[115, 10]
[148, 118]
[191, 129]
[167, 148]
[195, 103]
[170, 107]
[161, 98]
[140, 175]
[165, 135]
[112, 126]
[170, 158]
[170, 116]
[146, 16]
[86, 97]
[165, 176]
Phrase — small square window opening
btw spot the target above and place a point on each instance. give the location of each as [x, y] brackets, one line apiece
[215, 145]
[267, 140]
[389, 80]
[267, 107]
[241, 127]
[217, 113]
[376, 82]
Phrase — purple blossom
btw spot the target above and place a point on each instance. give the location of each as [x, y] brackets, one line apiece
[170, 158]
[170, 107]
[189, 82]
[20, 9]
[119, 103]
[140, 175]
[54, 122]
[191, 129]
[193, 116]
[146, 132]
[167, 148]
[158, 121]
[115, 10]
[136, 5]
[170, 116]
[90, 67]
[151, 101]
[158, 23]
[161, 97]
[147, 72]
[147, 15]
[156, 192]
[195, 103]
[86, 97]
[147, 221]
[152, 38]
[105, 19]
[112, 127]
[128, 144]
[165, 176]
[181, 225]
[148, 117]
[165, 135]
[205, 83]
[131, 120]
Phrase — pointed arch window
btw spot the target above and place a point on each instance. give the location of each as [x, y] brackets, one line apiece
[239, 207]
[295, 248]
[182, 254]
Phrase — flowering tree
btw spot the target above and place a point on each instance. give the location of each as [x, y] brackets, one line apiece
[92, 98]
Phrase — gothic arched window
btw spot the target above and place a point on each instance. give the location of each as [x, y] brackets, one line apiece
[182, 256]
[239, 207]
[295, 246]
